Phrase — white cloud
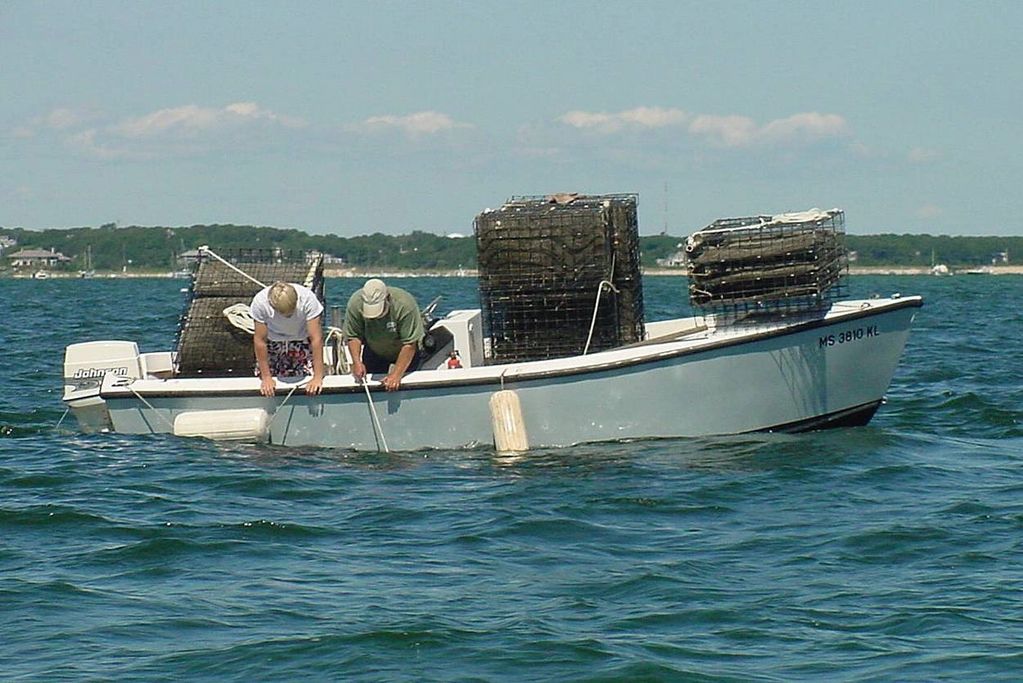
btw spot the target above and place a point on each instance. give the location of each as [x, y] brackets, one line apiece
[186, 118]
[192, 129]
[807, 126]
[59, 119]
[175, 131]
[732, 130]
[414, 125]
[191, 119]
[640, 118]
[729, 131]
[742, 131]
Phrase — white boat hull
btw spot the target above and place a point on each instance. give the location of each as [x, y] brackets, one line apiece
[742, 378]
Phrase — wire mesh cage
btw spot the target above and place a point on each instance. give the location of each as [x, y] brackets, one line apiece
[559, 275]
[208, 344]
[789, 262]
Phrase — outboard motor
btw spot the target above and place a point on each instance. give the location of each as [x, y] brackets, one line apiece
[85, 366]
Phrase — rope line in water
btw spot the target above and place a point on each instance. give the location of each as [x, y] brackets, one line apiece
[150, 406]
[378, 430]
[278, 408]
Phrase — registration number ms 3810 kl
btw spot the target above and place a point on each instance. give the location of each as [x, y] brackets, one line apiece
[850, 335]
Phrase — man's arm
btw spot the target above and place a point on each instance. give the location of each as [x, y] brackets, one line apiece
[315, 328]
[393, 381]
[355, 351]
[259, 336]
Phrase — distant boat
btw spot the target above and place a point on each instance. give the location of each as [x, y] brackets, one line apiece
[939, 268]
[88, 272]
[984, 270]
[40, 275]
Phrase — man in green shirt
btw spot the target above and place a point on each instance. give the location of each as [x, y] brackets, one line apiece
[383, 330]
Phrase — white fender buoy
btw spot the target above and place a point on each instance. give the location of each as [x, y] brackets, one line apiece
[508, 424]
[240, 424]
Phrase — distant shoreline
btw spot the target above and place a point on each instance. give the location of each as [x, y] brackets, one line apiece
[471, 272]
[922, 270]
[886, 270]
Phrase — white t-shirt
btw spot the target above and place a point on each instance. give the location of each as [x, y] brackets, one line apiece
[286, 328]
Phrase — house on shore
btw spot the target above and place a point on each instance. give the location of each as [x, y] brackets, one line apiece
[36, 258]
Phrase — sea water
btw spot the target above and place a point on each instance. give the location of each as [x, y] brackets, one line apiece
[888, 552]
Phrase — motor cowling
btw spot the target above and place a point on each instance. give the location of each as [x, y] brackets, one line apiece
[86, 364]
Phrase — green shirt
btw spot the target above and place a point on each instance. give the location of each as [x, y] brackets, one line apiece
[401, 324]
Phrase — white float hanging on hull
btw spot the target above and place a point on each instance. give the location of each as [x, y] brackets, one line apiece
[508, 423]
[245, 424]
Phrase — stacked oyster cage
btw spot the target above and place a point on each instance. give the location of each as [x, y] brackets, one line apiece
[546, 264]
[792, 261]
[208, 343]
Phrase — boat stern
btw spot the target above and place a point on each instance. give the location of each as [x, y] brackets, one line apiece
[85, 366]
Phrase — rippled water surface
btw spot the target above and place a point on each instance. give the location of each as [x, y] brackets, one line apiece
[889, 552]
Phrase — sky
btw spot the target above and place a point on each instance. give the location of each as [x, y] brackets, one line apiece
[352, 118]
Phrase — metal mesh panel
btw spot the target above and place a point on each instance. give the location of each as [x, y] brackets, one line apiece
[207, 343]
[542, 263]
[764, 263]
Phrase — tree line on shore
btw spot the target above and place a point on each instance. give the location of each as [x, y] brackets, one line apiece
[110, 247]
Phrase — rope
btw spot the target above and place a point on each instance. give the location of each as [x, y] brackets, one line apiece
[207, 250]
[61, 420]
[268, 424]
[596, 303]
[240, 316]
[341, 362]
[596, 307]
[278, 408]
[377, 429]
[150, 406]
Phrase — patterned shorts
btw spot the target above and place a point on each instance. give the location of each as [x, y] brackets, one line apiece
[289, 358]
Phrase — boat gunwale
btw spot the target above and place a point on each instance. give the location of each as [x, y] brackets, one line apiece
[120, 388]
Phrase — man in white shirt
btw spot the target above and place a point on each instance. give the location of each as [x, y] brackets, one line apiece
[288, 339]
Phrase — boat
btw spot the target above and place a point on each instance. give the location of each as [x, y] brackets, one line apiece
[88, 272]
[939, 269]
[728, 369]
[41, 275]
